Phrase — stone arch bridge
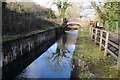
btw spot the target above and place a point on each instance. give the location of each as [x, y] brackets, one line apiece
[72, 26]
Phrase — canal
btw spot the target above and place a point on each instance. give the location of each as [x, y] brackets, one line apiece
[55, 62]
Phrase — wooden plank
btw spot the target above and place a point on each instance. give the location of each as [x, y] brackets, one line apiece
[100, 46]
[116, 57]
[103, 38]
[97, 41]
[98, 36]
[103, 46]
[113, 44]
[99, 29]
[106, 43]
[104, 31]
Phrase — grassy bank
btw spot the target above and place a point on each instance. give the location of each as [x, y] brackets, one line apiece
[20, 20]
[13, 37]
[92, 63]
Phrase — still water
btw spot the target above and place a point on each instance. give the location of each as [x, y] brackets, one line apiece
[47, 67]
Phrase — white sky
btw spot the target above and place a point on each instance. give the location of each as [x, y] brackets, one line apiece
[85, 4]
[47, 3]
[85, 11]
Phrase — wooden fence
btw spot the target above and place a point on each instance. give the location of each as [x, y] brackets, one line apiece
[102, 38]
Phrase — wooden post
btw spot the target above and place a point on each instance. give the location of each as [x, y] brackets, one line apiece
[100, 45]
[118, 65]
[91, 32]
[106, 43]
[96, 30]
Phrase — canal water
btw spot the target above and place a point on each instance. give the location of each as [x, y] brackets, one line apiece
[49, 65]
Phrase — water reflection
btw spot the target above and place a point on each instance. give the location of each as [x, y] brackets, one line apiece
[55, 62]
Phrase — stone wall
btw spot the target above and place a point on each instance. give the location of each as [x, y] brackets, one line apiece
[16, 48]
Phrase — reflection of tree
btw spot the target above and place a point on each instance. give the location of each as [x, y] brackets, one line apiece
[58, 60]
[56, 65]
[60, 52]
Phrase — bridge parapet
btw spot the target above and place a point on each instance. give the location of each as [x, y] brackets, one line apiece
[73, 25]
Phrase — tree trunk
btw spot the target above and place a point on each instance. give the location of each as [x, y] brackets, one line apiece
[105, 26]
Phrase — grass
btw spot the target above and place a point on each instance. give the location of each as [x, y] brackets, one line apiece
[99, 65]
[21, 23]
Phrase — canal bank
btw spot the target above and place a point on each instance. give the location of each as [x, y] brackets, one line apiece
[19, 53]
[89, 62]
[55, 61]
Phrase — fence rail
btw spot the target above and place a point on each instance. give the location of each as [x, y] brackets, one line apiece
[102, 38]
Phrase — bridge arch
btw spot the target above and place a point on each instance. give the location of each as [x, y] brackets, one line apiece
[74, 23]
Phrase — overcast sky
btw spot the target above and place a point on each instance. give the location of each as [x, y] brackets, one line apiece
[47, 3]
[85, 3]
[86, 10]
